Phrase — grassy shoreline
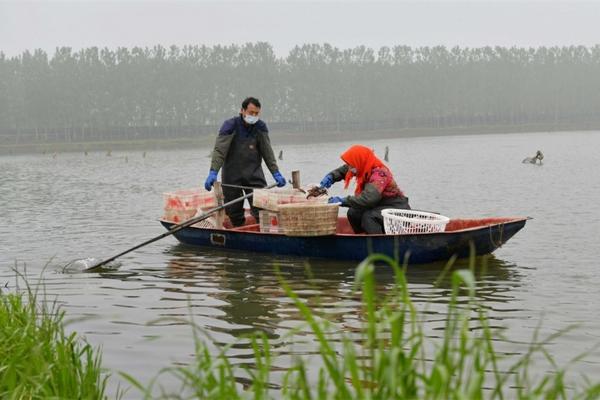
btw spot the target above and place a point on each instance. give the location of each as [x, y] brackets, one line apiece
[387, 355]
[281, 138]
[38, 359]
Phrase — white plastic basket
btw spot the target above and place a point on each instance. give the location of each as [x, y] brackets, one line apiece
[404, 222]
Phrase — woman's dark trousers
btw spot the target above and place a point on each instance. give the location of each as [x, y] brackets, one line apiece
[370, 220]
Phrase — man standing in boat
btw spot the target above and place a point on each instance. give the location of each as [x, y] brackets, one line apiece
[243, 142]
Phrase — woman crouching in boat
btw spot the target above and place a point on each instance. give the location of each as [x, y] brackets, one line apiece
[375, 189]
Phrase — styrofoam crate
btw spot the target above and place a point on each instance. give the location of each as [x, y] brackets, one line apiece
[269, 221]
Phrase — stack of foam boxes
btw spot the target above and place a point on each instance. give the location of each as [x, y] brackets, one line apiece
[183, 205]
[269, 221]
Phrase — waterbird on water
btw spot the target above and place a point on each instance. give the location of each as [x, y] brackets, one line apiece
[533, 160]
[385, 157]
[281, 154]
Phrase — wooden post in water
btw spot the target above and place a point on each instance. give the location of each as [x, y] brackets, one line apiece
[296, 179]
[220, 216]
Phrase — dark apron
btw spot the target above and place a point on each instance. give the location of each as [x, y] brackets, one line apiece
[243, 166]
[243, 163]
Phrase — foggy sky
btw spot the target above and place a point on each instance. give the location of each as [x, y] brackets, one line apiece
[48, 24]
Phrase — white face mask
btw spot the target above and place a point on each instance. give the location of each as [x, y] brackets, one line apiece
[250, 119]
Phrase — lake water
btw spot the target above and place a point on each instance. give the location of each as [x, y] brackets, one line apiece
[71, 206]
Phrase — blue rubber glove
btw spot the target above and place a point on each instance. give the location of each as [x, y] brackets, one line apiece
[327, 181]
[279, 179]
[336, 200]
[210, 180]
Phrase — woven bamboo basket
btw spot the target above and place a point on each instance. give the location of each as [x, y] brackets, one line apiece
[308, 219]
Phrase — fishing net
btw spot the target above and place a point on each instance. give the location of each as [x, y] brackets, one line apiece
[316, 191]
[207, 223]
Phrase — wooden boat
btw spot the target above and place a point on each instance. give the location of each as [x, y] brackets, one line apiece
[485, 234]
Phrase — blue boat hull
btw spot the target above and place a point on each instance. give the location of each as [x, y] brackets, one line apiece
[418, 248]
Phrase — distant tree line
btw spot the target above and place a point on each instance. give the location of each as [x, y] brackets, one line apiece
[99, 94]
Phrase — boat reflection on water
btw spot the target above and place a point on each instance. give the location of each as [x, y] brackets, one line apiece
[229, 294]
[247, 289]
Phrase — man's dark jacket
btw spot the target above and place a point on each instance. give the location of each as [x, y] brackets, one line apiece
[240, 149]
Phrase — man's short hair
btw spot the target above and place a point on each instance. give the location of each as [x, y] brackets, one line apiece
[250, 100]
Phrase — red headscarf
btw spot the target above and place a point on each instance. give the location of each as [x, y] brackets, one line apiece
[364, 160]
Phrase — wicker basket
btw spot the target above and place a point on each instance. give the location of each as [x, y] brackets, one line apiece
[308, 219]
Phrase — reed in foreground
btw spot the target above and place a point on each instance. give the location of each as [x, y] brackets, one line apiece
[38, 360]
[391, 358]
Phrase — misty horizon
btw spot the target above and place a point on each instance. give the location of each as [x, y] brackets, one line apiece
[141, 93]
[30, 25]
[95, 70]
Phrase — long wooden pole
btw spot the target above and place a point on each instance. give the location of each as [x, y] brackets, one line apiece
[174, 229]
